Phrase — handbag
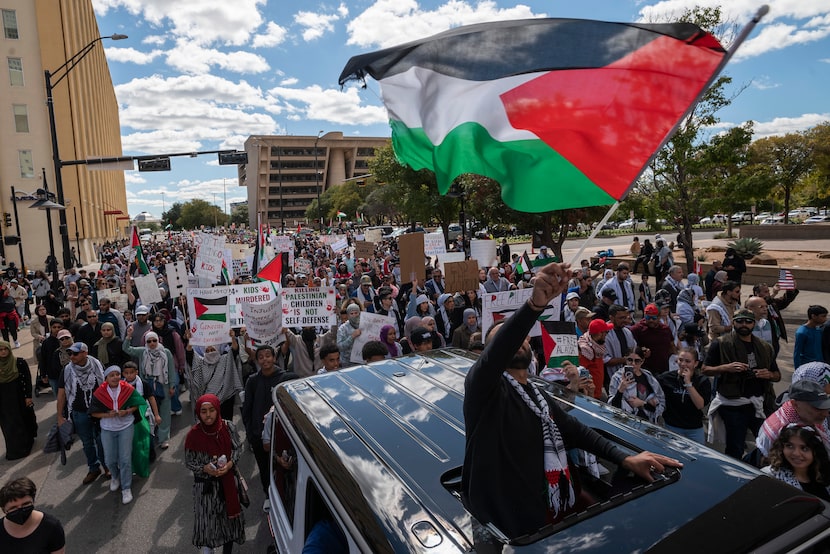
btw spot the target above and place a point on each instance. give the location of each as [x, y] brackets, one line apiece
[242, 488]
[158, 389]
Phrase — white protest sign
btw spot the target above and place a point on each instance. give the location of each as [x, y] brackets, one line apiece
[209, 318]
[241, 268]
[262, 321]
[496, 306]
[255, 293]
[107, 293]
[370, 325]
[148, 289]
[302, 265]
[120, 301]
[209, 258]
[434, 244]
[340, 244]
[284, 244]
[309, 307]
[451, 257]
[374, 235]
[176, 278]
[483, 251]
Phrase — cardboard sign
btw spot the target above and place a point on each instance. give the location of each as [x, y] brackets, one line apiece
[496, 306]
[364, 249]
[176, 278]
[262, 320]
[309, 307]
[483, 251]
[209, 317]
[374, 235]
[209, 258]
[434, 244]
[148, 289]
[302, 265]
[411, 249]
[461, 276]
[370, 325]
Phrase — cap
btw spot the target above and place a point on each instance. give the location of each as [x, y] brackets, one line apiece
[543, 248]
[745, 314]
[582, 311]
[142, 310]
[810, 392]
[609, 293]
[83, 283]
[365, 280]
[14, 280]
[79, 347]
[64, 333]
[692, 329]
[598, 326]
[572, 295]
[420, 336]
[651, 309]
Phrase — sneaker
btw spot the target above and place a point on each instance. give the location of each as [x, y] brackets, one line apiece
[115, 484]
[92, 476]
[266, 506]
[126, 496]
[17, 344]
[177, 412]
[165, 445]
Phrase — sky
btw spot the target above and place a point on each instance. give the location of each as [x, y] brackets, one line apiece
[206, 74]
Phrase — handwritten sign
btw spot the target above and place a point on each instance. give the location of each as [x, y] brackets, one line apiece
[209, 258]
[340, 244]
[374, 235]
[563, 343]
[370, 325]
[238, 295]
[209, 318]
[434, 244]
[483, 251]
[363, 249]
[241, 268]
[309, 307]
[461, 276]
[148, 289]
[302, 265]
[176, 278]
[411, 248]
[284, 244]
[496, 306]
[262, 320]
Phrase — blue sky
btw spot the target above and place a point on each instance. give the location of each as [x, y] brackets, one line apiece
[206, 74]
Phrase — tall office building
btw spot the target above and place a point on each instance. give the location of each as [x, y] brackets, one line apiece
[284, 173]
[41, 35]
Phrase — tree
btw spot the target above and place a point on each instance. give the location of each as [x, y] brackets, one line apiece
[173, 214]
[197, 212]
[239, 215]
[782, 162]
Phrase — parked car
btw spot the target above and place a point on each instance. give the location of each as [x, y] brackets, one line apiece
[633, 224]
[817, 219]
[798, 214]
[377, 450]
[453, 232]
[761, 216]
[773, 220]
[742, 217]
[717, 219]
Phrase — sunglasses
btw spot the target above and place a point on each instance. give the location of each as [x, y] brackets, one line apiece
[651, 317]
[65, 338]
[151, 340]
[634, 360]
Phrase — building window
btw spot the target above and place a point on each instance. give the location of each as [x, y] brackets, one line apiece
[10, 24]
[27, 167]
[21, 118]
[16, 72]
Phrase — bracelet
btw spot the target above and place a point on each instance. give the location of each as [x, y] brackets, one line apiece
[535, 307]
[688, 385]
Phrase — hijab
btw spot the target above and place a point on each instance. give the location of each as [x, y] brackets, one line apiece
[391, 346]
[103, 354]
[467, 313]
[410, 325]
[8, 365]
[154, 360]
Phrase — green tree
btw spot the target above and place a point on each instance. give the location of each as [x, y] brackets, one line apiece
[240, 215]
[819, 141]
[173, 214]
[782, 163]
[153, 226]
[197, 212]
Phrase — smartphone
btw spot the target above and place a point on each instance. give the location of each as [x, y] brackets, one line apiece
[629, 372]
[584, 373]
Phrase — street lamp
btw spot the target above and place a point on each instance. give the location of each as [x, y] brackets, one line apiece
[317, 177]
[17, 224]
[61, 74]
[77, 236]
[45, 202]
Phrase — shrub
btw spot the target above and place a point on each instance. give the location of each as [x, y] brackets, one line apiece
[747, 247]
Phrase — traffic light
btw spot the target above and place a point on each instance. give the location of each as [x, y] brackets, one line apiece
[7, 219]
[157, 164]
[233, 158]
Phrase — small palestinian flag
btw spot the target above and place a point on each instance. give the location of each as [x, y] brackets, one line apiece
[524, 264]
[211, 309]
[225, 275]
[559, 342]
[541, 105]
[135, 245]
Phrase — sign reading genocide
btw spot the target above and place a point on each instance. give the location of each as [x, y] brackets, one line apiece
[461, 276]
[209, 320]
[363, 249]
[309, 306]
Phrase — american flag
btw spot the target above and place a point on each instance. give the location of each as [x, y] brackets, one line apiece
[785, 280]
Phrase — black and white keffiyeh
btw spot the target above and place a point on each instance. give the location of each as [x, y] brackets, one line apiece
[557, 473]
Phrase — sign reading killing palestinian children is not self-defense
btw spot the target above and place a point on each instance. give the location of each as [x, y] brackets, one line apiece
[309, 306]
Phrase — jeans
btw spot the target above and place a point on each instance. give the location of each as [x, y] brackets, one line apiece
[90, 436]
[737, 420]
[118, 449]
[692, 434]
[175, 402]
[54, 384]
[263, 462]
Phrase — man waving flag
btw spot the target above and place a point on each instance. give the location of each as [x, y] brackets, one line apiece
[542, 105]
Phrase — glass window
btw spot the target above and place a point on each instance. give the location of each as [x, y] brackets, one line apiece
[285, 473]
[10, 24]
[16, 72]
[27, 167]
[21, 118]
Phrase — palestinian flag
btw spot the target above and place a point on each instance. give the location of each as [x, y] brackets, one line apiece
[559, 342]
[524, 264]
[273, 270]
[135, 245]
[225, 277]
[542, 105]
[211, 309]
[259, 247]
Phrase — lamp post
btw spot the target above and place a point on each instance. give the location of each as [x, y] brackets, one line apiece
[19, 237]
[317, 177]
[61, 74]
[45, 202]
[77, 236]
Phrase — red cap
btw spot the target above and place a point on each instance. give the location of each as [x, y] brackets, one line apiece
[652, 309]
[598, 326]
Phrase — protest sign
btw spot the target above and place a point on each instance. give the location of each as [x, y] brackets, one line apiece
[209, 257]
[434, 244]
[241, 268]
[176, 278]
[107, 293]
[496, 306]
[209, 318]
[461, 276]
[309, 307]
[411, 249]
[363, 249]
[340, 244]
[120, 301]
[450, 257]
[302, 265]
[370, 325]
[559, 342]
[284, 244]
[255, 293]
[483, 251]
[262, 320]
[148, 289]
[374, 235]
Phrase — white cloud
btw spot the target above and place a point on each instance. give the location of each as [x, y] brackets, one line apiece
[825, 60]
[134, 178]
[343, 10]
[273, 36]
[343, 107]
[156, 40]
[316, 24]
[289, 82]
[778, 36]
[390, 22]
[191, 57]
[764, 82]
[131, 55]
[784, 125]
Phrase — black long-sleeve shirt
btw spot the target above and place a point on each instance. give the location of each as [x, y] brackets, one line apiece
[503, 479]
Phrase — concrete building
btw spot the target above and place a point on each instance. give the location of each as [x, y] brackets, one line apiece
[287, 168]
[42, 35]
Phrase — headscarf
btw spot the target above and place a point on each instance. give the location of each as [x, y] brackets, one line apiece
[693, 279]
[8, 365]
[391, 346]
[102, 353]
[720, 276]
[215, 440]
[687, 297]
[154, 360]
[467, 313]
[410, 325]
[818, 372]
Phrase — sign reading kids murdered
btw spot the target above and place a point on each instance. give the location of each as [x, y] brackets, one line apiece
[496, 306]
[209, 317]
[254, 293]
[309, 307]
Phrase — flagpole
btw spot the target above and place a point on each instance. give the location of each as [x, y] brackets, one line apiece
[593, 235]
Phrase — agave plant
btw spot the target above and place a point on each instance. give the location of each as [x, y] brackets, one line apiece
[747, 247]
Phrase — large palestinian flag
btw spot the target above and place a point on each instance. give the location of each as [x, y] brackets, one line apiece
[211, 309]
[563, 113]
